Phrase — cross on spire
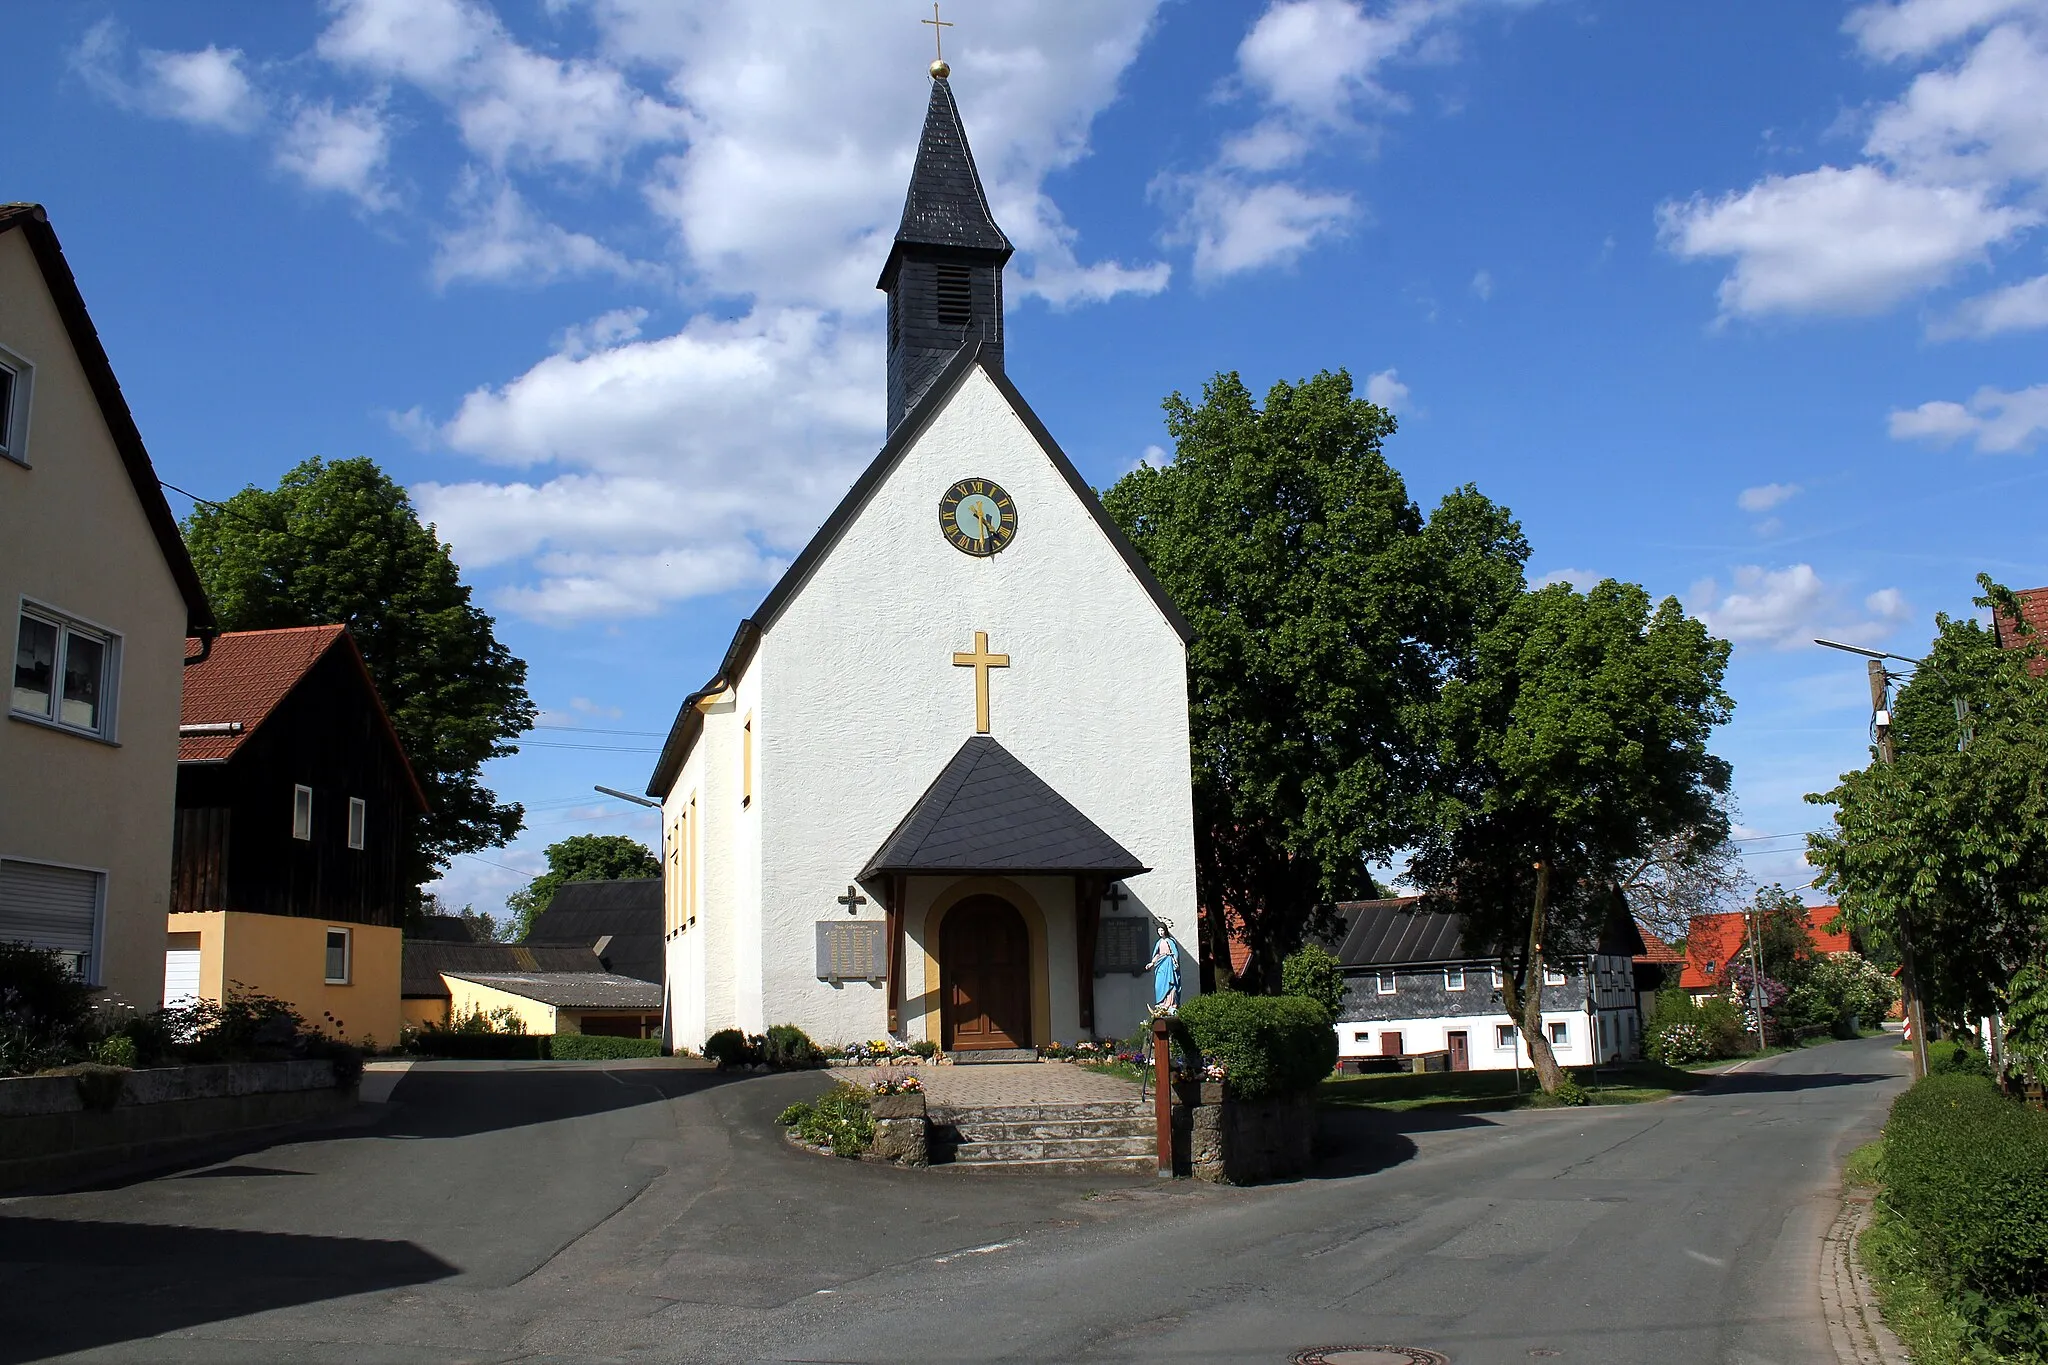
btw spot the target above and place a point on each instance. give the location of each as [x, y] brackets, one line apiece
[981, 661]
[939, 27]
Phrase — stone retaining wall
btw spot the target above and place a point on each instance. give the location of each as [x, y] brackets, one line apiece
[50, 1132]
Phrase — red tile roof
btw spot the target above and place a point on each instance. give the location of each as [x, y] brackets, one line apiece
[248, 673]
[1656, 952]
[1713, 939]
[2034, 610]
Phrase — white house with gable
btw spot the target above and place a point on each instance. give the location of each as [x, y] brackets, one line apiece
[939, 787]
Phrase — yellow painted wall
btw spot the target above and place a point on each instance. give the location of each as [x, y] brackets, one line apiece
[73, 536]
[286, 956]
[464, 997]
[421, 1012]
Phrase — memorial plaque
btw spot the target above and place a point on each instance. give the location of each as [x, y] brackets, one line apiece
[851, 950]
[1123, 944]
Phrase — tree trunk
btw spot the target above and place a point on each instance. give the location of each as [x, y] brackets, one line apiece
[1526, 1009]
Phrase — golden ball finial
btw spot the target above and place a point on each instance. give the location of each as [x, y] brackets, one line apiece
[940, 69]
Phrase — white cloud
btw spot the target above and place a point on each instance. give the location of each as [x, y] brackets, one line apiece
[1482, 285]
[1385, 389]
[502, 240]
[1999, 422]
[1154, 457]
[342, 150]
[1316, 69]
[1848, 241]
[1764, 497]
[207, 87]
[1786, 608]
[1580, 579]
[584, 706]
[1953, 167]
[2016, 308]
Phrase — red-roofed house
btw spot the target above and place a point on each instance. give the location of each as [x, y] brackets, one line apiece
[2034, 609]
[293, 796]
[1713, 940]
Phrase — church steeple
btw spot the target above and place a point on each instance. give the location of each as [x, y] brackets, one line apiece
[944, 276]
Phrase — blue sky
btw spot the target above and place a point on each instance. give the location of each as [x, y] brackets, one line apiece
[1744, 302]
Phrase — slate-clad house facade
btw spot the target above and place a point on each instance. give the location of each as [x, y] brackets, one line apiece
[294, 795]
[619, 921]
[1412, 985]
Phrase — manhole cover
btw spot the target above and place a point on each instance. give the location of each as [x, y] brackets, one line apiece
[1369, 1355]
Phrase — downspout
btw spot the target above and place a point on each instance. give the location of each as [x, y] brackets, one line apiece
[205, 636]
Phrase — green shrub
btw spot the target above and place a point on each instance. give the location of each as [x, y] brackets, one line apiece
[597, 1047]
[1967, 1170]
[116, 1049]
[1713, 1029]
[788, 1048]
[729, 1047]
[1957, 1057]
[482, 1047]
[1313, 972]
[44, 1010]
[1268, 1044]
[838, 1119]
[1569, 1092]
[1677, 1042]
[477, 1019]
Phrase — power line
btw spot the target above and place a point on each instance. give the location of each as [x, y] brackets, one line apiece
[594, 730]
[600, 748]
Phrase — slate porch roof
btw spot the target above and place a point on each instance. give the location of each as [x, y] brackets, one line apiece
[987, 812]
[627, 913]
[573, 990]
[423, 961]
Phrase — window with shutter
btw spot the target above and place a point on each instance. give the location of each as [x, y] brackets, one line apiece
[58, 908]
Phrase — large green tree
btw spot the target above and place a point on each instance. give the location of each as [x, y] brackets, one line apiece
[579, 858]
[1946, 847]
[338, 543]
[1327, 610]
[1568, 743]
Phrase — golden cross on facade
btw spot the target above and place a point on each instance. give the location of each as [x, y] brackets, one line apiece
[939, 27]
[981, 661]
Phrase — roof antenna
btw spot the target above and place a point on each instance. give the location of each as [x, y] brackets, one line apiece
[939, 67]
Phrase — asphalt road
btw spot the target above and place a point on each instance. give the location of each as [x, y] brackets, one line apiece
[623, 1212]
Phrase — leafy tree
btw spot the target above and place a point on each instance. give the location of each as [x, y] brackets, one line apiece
[1947, 846]
[1314, 973]
[579, 858]
[1326, 613]
[1570, 740]
[338, 543]
[1691, 872]
[1782, 929]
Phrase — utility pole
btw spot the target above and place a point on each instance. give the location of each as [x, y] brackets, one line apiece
[1756, 974]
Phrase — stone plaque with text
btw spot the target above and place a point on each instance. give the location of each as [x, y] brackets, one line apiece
[851, 950]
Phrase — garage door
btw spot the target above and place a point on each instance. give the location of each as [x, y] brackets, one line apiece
[181, 977]
[51, 907]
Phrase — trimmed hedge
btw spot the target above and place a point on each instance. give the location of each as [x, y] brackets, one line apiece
[482, 1047]
[1268, 1044]
[598, 1047]
[1967, 1169]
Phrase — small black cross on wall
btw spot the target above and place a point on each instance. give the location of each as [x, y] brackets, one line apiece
[1116, 896]
[852, 900]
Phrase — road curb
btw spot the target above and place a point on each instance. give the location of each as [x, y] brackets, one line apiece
[1855, 1328]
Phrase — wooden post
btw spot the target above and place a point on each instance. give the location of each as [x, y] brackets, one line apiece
[1087, 911]
[893, 904]
[1162, 1099]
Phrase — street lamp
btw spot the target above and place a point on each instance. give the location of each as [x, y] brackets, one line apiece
[1880, 707]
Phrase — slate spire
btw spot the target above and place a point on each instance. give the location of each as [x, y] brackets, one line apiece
[944, 275]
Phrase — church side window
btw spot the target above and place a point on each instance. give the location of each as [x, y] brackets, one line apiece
[747, 763]
[673, 905]
[690, 860]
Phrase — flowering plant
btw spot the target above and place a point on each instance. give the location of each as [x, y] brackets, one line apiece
[898, 1085]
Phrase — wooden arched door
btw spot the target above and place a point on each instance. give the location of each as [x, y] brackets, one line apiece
[984, 976]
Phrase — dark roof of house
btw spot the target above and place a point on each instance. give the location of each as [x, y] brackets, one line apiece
[248, 673]
[441, 929]
[106, 390]
[622, 916]
[987, 812]
[574, 990]
[1397, 931]
[689, 721]
[424, 962]
[945, 205]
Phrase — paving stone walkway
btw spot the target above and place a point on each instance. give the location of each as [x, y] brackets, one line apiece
[1003, 1083]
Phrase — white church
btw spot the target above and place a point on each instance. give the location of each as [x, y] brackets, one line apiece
[939, 787]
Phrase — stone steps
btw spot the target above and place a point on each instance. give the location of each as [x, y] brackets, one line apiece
[1105, 1165]
[1111, 1136]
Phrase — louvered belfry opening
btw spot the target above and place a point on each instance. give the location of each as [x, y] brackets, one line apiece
[944, 275]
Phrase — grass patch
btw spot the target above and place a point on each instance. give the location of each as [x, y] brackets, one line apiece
[1866, 1164]
[1128, 1070]
[1480, 1091]
[1912, 1306]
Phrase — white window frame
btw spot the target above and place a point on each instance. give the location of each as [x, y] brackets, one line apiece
[1504, 1038]
[348, 955]
[1384, 982]
[1553, 976]
[1454, 978]
[1496, 977]
[91, 973]
[14, 427]
[67, 624]
[302, 829]
[358, 821]
[1559, 1032]
[1360, 1037]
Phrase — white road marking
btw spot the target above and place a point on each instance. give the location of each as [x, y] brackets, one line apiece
[972, 1251]
[1702, 1256]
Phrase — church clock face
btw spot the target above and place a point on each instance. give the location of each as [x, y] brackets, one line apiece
[977, 517]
